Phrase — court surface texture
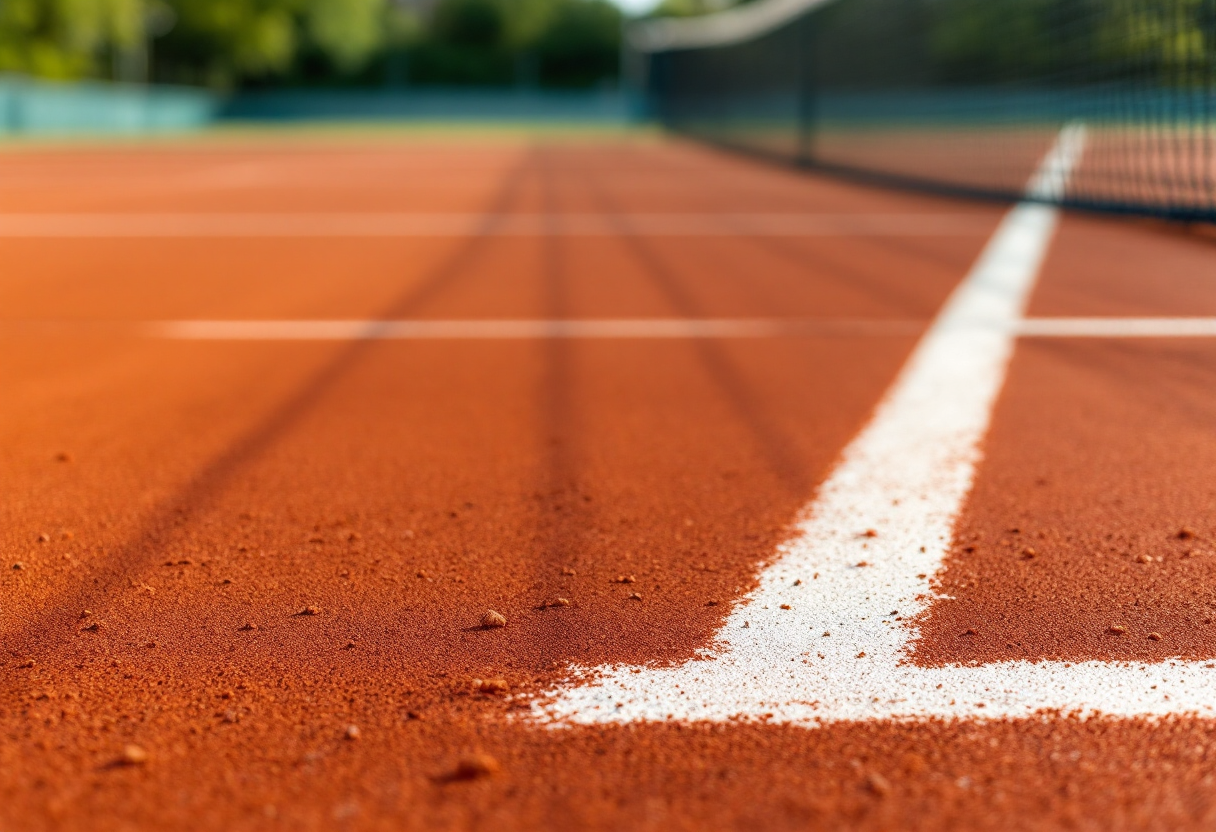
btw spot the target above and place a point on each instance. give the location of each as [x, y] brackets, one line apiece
[803, 503]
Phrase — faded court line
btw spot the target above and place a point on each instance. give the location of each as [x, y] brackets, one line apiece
[187, 225]
[661, 328]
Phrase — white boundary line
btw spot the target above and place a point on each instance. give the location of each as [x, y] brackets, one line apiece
[1117, 328]
[891, 504]
[656, 328]
[359, 225]
[499, 329]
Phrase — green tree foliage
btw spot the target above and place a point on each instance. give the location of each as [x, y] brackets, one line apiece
[220, 43]
[347, 32]
[223, 43]
[226, 44]
[580, 46]
[66, 38]
[1176, 37]
[564, 43]
[554, 43]
[978, 41]
[465, 43]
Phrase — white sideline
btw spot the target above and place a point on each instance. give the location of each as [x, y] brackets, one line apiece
[1117, 328]
[361, 225]
[653, 328]
[905, 477]
[508, 329]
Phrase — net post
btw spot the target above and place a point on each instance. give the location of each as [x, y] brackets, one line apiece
[634, 73]
[807, 91]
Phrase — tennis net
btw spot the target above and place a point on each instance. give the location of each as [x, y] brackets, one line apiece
[956, 95]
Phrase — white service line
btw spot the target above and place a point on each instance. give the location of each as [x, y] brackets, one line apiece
[904, 478]
[1117, 328]
[510, 329]
[655, 328]
[188, 225]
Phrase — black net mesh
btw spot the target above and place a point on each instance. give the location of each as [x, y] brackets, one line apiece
[967, 95]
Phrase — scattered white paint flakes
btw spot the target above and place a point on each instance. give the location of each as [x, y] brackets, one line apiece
[905, 477]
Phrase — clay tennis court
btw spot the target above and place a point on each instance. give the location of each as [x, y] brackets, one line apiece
[285, 418]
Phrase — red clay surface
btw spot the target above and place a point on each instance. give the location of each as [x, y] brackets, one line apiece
[277, 541]
[1100, 453]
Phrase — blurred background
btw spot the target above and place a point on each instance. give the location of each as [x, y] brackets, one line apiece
[132, 65]
[957, 95]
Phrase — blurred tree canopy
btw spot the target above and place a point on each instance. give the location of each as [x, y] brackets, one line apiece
[227, 44]
[553, 43]
[65, 38]
[999, 40]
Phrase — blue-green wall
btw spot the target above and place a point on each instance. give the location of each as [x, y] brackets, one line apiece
[32, 107]
[437, 104]
[44, 108]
